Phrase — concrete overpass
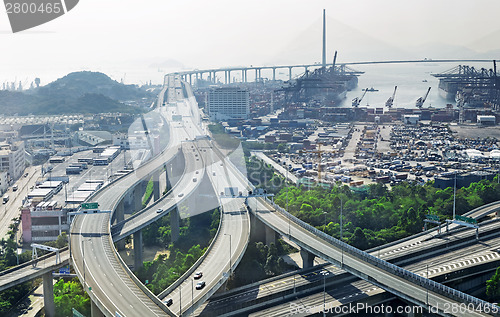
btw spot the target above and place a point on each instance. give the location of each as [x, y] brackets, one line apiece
[444, 254]
[95, 232]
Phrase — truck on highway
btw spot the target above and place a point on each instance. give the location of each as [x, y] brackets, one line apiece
[73, 170]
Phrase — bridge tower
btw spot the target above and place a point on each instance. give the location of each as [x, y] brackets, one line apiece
[324, 39]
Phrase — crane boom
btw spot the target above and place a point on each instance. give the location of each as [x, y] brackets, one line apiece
[390, 101]
[420, 101]
[356, 101]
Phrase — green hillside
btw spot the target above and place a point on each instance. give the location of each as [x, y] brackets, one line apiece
[80, 92]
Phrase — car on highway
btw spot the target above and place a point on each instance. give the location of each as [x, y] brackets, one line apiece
[200, 285]
[168, 301]
[194, 180]
[159, 211]
[198, 275]
[180, 195]
[26, 174]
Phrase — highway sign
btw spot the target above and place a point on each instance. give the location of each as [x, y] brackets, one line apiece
[466, 219]
[432, 217]
[90, 205]
[64, 270]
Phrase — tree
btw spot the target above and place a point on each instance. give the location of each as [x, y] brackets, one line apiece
[68, 295]
[493, 285]
[358, 239]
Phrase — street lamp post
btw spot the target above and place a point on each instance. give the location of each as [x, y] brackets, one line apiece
[324, 277]
[427, 293]
[341, 230]
[289, 224]
[454, 195]
[83, 261]
[192, 293]
[230, 265]
[324, 294]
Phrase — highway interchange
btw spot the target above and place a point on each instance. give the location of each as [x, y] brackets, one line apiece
[109, 281]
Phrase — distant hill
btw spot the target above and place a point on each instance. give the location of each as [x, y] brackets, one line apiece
[80, 92]
[77, 84]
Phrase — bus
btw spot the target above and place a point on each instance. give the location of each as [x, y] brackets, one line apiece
[56, 159]
[87, 160]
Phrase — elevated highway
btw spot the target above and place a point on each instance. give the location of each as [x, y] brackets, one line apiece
[111, 286]
[402, 283]
[444, 255]
[113, 289]
[228, 246]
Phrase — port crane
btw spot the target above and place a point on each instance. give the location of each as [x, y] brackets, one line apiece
[356, 101]
[319, 152]
[420, 101]
[390, 101]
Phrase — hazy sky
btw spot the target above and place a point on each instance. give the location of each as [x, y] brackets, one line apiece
[102, 34]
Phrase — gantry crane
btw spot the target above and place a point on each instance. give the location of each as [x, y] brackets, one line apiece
[421, 100]
[390, 101]
[319, 151]
[356, 101]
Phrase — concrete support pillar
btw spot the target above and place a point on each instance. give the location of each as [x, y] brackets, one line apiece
[246, 73]
[305, 69]
[48, 295]
[156, 186]
[260, 75]
[270, 236]
[120, 216]
[307, 258]
[174, 224]
[95, 311]
[120, 212]
[274, 73]
[201, 76]
[256, 74]
[289, 73]
[138, 197]
[190, 79]
[228, 76]
[138, 259]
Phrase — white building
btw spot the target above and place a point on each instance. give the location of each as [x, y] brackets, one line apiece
[4, 181]
[121, 140]
[228, 103]
[411, 118]
[486, 120]
[12, 159]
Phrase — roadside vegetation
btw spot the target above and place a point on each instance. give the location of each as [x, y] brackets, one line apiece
[68, 295]
[148, 193]
[260, 262]
[196, 233]
[381, 215]
[8, 248]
